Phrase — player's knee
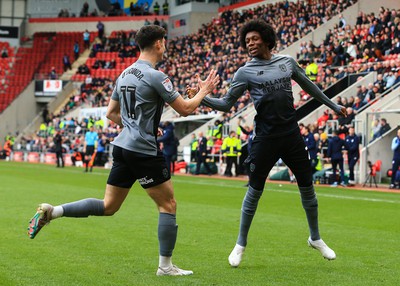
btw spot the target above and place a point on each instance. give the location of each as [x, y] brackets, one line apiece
[169, 206]
[257, 182]
[307, 192]
[110, 210]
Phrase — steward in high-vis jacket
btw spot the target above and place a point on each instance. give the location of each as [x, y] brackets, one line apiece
[231, 148]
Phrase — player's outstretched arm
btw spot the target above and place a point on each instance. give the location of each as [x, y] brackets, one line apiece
[312, 89]
[225, 103]
[186, 107]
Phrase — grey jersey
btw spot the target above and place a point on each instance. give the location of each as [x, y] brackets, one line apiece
[141, 91]
[269, 83]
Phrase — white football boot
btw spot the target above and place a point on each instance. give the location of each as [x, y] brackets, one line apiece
[236, 255]
[320, 245]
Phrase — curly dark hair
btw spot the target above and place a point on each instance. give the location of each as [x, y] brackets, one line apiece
[266, 31]
[148, 35]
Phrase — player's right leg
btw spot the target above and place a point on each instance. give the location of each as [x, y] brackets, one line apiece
[260, 161]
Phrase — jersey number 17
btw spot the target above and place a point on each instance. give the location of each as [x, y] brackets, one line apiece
[129, 92]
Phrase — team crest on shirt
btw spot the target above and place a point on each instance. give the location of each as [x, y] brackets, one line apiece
[283, 68]
[167, 85]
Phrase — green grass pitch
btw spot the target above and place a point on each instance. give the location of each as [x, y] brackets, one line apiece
[362, 227]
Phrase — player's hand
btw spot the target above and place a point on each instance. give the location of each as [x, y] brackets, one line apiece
[191, 91]
[160, 132]
[210, 83]
[343, 111]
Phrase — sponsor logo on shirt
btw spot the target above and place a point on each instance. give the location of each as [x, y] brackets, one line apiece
[260, 73]
[276, 84]
[283, 68]
[167, 84]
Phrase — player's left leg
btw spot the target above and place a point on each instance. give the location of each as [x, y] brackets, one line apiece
[163, 196]
[113, 199]
[119, 182]
[297, 159]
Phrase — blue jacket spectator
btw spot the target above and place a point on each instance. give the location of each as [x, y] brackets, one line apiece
[169, 143]
[353, 153]
[335, 147]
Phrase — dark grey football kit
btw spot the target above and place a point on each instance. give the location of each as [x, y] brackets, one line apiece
[276, 131]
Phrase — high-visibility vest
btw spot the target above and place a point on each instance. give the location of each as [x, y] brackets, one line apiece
[318, 167]
[312, 71]
[194, 144]
[99, 123]
[231, 146]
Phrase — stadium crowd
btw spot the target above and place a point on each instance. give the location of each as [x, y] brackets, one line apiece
[371, 45]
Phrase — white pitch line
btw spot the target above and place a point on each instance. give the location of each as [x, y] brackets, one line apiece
[319, 194]
[226, 184]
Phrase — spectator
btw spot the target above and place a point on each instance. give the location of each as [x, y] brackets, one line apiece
[156, 8]
[335, 147]
[202, 154]
[94, 13]
[66, 63]
[83, 69]
[396, 159]
[101, 149]
[385, 127]
[312, 70]
[165, 8]
[86, 39]
[311, 145]
[168, 143]
[85, 10]
[357, 104]
[193, 147]
[231, 150]
[58, 141]
[164, 24]
[100, 29]
[53, 73]
[77, 157]
[346, 122]
[353, 154]
[4, 53]
[76, 50]
[342, 21]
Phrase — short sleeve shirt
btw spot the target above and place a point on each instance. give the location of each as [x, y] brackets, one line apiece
[141, 91]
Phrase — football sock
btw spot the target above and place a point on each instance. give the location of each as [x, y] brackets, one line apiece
[310, 205]
[84, 208]
[58, 211]
[249, 207]
[167, 233]
[164, 261]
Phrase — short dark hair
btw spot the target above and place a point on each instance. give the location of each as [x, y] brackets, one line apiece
[266, 31]
[148, 35]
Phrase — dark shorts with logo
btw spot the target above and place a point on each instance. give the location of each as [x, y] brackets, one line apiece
[89, 150]
[130, 166]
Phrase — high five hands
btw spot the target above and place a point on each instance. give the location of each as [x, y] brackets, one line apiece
[210, 83]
